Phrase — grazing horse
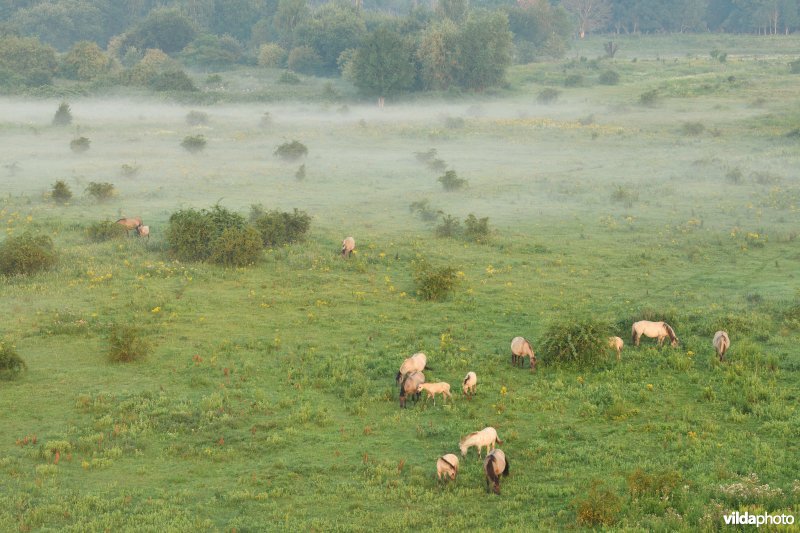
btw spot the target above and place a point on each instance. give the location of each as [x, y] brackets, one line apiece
[143, 231]
[416, 363]
[348, 245]
[617, 344]
[495, 464]
[721, 343]
[520, 349]
[487, 437]
[660, 330]
[435, 388]
[447, 465]
[409, 385]
[132, 223]
[470, 383]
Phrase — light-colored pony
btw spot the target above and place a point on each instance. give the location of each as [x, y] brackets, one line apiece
[495, 464]
[520, 349]
[487, 437]
[348, 245]
[143, 231]
[470, 383]
[409, 385]
[131, 223]
[617, 344]
[659, 330]
[416, 363]
[721, 343]
[435, 388]
[447, 465]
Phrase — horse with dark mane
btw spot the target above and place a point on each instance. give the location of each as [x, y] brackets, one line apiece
[654, 330]
[494, 465]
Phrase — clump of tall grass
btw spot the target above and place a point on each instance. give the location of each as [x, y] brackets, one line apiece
[101, 191]
[26, 254]
[625, 195]
[693, 128]
[609, 77]
[660, 484]
[649, 98]
[277, 228]
[129, 170]
[61, 193]
[423, 209]
[600, 507]
[582, 342]
[434, 283]
[105, 230]
[11, 364]
[450, 226]
[126, 344]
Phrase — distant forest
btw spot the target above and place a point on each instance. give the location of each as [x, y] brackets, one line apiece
[383, 46]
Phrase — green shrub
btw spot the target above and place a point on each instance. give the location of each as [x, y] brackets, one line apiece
[79, 145]
[129, 171]
[237, 246]
[61, 192]
[101, 191]
[172, 80]
[63, 116]
[548, 96]
[424, 210]
[291, 151]
[476, 229]
[574, 80]
[624, 195]
[693, 128]
[271, 55]
[277, 228]
[289, 78]
[197, 118]
[660, 485]
[126, 344]
[194, 143]
[304, 59]
[105, 230]
[427, 156]
[451, 182]
[609, 77]
[434, 283]
[300, 175]
[600, 507]
[11, 364]
[649, 98]
[449, 227]
[26, 254]
[734, 175]
[583, 342]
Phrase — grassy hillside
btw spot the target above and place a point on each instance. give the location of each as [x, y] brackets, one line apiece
[268, 400]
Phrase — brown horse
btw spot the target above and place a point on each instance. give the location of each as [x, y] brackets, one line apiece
[132, 223]
[409, 386]
[520, 349]
[659, 330]
[721, 343]
[494, 465]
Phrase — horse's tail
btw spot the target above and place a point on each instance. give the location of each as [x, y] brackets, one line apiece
[497, 439]
[507, 469]
[633, 334]
[403, 386]
[490, 470]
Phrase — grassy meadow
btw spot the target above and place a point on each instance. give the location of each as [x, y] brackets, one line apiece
[268, 400]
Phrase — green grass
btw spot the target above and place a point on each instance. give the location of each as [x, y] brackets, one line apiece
[268, 401]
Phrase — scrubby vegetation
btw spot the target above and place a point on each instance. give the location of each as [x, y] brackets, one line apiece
[451, 182]
[291, 151]
[126, 344]
[105, 230]
[216, 235]
[435, 283]
[582, 342]
[79, 145]
[63, 116]
[101, 191]
[11, 364]
[194, 143]
[61, 193]
[26, 254]
[278, 228]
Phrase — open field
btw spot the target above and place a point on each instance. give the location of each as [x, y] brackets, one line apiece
[268, 401]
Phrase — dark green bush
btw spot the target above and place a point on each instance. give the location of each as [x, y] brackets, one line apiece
[450, 226]
[600, 507]
[451, 182]
[11, 364]
[194, 143]
[196, 118]
[649, 98]
[304, 59]
[277, 228]
[129, 171]
[426, 157]
[172, 80]
[26, 254]
[63, 116]
[660, 484]
[424, 210]
[79, 145]
[101, 191]
[583, 342]
[237, 247]
[434, 283]
[476, 229]
[574, 80]
[693, 128]
[291, 151]
[289, 78]
[609, 77]
[61, 192]
[548, 96]
[105, 230]
[126, 344]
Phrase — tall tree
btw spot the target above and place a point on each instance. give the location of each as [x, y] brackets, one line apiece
[439, 55]
[384, 64]
[332, 29]
[485, 50]
[591, 14]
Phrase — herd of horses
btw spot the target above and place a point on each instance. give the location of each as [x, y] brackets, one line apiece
[412, 383]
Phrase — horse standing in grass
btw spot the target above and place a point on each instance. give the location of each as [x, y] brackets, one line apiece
[659, 330]
[131, 223]
[520, 349]
[617, 344]
[721, 343]
[494, 465]
[447, 466]
[348, 245]
[487, 437]
[435, 388]
[410, 385]
[470, 384]
[416, 363]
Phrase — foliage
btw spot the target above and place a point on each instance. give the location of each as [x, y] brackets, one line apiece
[450, 226]
[289, 78]
[61, 192]
[305, 60]
[271, 55]
[101, 191]
[649, 98]
[172, 80]
[384, 64]
[438, 54]
[197, 118]
[26, 254]
[794, 66]
[63, 116]
[332, 28]
[291, 151]
[127, 344]
[129, 170]
[476, 229]
[609, 77]
[85, 61]
[451, 182]
[277, 228]
[194, 143]
[300, 175]
[434, 283]
[11, 364]
[660, 485]
[548, 96]
[583, 341]
[574, 80]
[540, 28]
[485, 46]
[79, 145]
[105, 230]
[693, 128]
[212, 51]
[163, 29]
[625, 195]
[27, 58]
[424, 210]
[600, 507]
[236, 247]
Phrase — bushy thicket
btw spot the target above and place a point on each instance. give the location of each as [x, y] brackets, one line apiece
[215, 235]
[194, 143]
[101, 191]
[126, 344]
[105, 230]
[63, 116]
[583, 342]
[80, 144]
[61, 192]
[451, 182]
[26, 254]
[434, 283]
[277, 228]
[11, 364]
[600, 507]
[474, 229]
[291, 151]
